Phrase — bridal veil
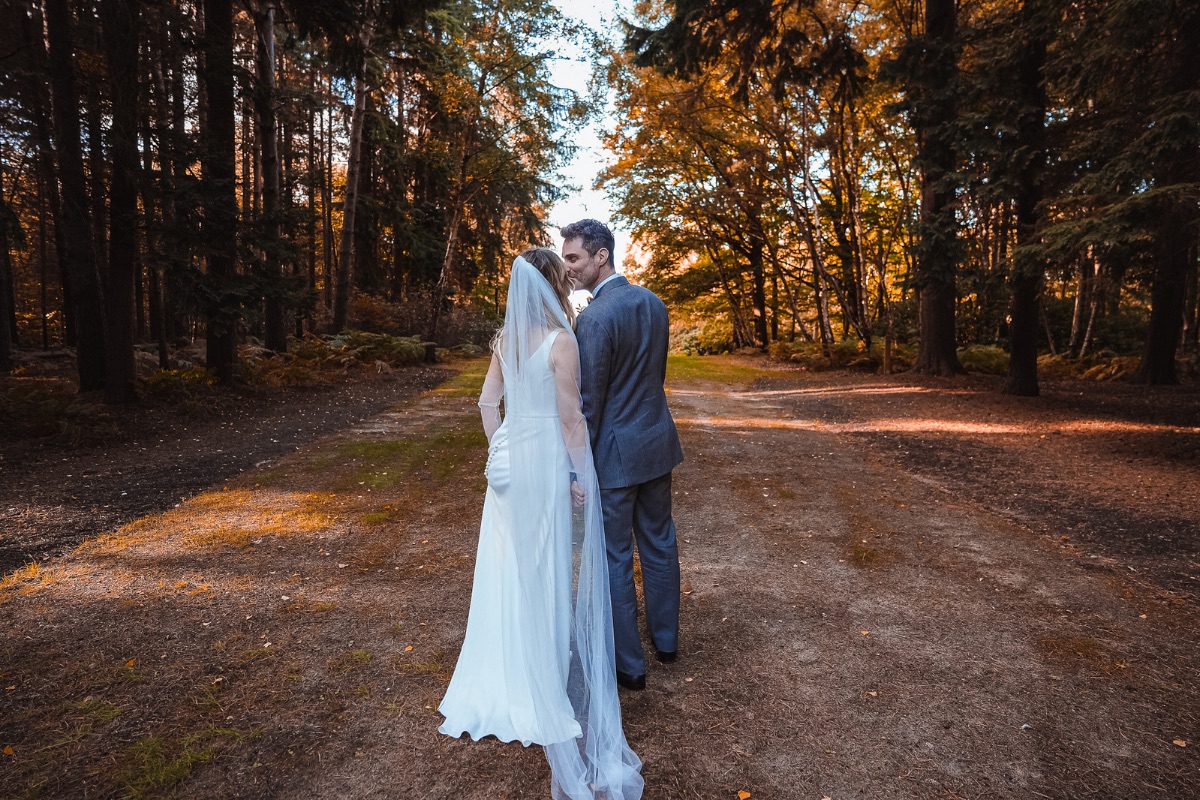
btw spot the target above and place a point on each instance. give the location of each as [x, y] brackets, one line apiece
[596, 763]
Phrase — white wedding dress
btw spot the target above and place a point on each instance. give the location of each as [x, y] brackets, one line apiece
[536, 665]
[511, 677]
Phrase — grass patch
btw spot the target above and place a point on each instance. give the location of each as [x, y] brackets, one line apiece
[468, 382]
[23, 580]
[257, 654]
[97, 710]
[406, 665]
[95, 713]
[721, 369]
[452, 448]
[307, 606]
[150, 766]
[393, 462]
[348, 661]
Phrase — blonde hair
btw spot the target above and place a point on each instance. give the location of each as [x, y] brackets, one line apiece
[554, 270]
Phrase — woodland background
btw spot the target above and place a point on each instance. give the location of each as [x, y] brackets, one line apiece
[880, 183]
[236, 541]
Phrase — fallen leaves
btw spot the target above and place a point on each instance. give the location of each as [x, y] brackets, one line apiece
[1179, 742]
[8, 751]
[743, 795]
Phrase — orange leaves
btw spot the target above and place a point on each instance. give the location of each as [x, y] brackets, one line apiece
[1179, 742]
[743, 795]
[8, 751]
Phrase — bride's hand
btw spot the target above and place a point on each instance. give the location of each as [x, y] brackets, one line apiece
[577, 494]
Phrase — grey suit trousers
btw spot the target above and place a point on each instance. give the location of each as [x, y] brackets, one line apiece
[642, 513]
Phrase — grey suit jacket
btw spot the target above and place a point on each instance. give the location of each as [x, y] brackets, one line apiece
[623, 337]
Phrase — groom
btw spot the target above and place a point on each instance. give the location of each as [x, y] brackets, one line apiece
[623, 361]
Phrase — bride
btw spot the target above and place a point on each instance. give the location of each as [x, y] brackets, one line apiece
[537, 662]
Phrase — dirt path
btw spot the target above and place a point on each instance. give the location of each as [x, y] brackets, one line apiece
[854, 626]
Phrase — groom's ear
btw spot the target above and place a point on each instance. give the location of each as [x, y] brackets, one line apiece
[606, 260]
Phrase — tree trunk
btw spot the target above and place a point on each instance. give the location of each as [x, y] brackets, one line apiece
[327, 206]
[39, 105]
[937, 260]
[740, 334]
[312, 215]
[1083, 282]
[246, 153]
[758, 292]
[1173, 247]
[173, 311]
[440, 291]
[120, 29]
[220, 187]
[1176, 239]
[96, 172]
[43, 261]
[264, 107]
[821, 297]
[7, 220]
[341, 297]
[87, 299]
[1191, 305]
[366, 217]
[1028, 272]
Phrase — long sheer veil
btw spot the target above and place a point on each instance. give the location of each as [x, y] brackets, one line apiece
[598, 763]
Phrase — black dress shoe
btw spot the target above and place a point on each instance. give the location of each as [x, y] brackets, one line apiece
[665, 656]
[634, 683]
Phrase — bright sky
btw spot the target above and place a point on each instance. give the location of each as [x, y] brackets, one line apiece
[591, 158]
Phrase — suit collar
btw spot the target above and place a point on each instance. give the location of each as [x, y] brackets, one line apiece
[613, 280]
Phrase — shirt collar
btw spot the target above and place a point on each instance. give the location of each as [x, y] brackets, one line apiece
[600, 285]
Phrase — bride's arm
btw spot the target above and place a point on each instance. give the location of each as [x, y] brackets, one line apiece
[564, 360]
[489, 398]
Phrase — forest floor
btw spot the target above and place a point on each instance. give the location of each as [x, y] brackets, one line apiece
[56, 492]
[894, 587]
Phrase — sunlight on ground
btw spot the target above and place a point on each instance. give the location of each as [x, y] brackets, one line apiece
[235, 517]
[843, 390]
[722, 369]
[910, 425]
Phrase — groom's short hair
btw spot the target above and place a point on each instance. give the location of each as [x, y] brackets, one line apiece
[594, 235]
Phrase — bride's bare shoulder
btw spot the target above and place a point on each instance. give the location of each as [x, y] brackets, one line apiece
[564, 349]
